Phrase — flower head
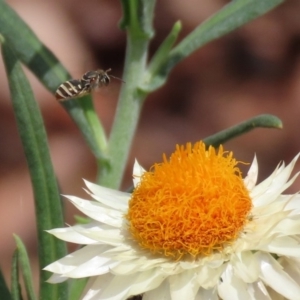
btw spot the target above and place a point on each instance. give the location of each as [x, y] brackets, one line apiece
[196, 203]
[192, 229]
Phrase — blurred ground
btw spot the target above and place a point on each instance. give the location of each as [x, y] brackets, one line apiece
[252, 71]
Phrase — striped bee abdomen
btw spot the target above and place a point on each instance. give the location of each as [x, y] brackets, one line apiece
[70, 89]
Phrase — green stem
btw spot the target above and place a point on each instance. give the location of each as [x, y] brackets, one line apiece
[128, 111]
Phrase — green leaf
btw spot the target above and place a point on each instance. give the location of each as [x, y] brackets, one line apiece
[229, 18]
[4, 291]
[152, 80]
[25, 268]
[16, 291]
[262, 121]
[82, 220]
[97, 129]
[46, 194]
[42, 62]
[77, 287]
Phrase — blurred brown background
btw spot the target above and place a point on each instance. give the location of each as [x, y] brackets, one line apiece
[252, 71]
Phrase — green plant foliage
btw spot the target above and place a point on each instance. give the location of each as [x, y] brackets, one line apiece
[262, 121]
[46, 194]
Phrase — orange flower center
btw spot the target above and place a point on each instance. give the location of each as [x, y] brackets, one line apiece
[196, 203]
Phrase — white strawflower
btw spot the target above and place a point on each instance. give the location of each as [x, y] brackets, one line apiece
[192, 229]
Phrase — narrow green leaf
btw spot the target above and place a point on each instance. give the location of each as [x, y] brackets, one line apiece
[232, 16]
[16, 291]
[23, 261]
[46, 194]
[42, 62]
[4, 291]
[81, 220]
[152, 79]
[262, 121]
[96, 127]
[77, 287]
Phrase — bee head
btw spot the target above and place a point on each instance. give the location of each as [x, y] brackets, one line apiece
[105, 79]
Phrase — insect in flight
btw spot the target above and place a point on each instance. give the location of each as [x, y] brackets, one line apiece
[79, 87]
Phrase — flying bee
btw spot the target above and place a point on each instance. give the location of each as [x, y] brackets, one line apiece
[80, 87]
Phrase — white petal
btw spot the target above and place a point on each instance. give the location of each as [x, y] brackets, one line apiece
[83, 256]
[162, 292]
[259, 232]
[136, 263]
[257, 290]
[121, 287]
[109, 197]
[291, 266]
[273, 275]
[96, 266]
[274, 184]
[287, 246]
[246, 266]
[209, 277]
[99, 190]
[187, 265]
[209, 294]
[288, 226]
[251, 178]
[293, 203]
[95, 286]
[147, 280]
[122, 252]
[103, 234]
[184, 285]
[268, 209]
[70, 261]
[272, 193]
[57, 278]
[231, 287]
[70, 235]
[274, 295]
[263, 186]
[138, 171]
[98, 212]
[125, 268]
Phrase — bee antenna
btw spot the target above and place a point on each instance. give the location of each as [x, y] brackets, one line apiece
[117, 78]
[114, 76]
